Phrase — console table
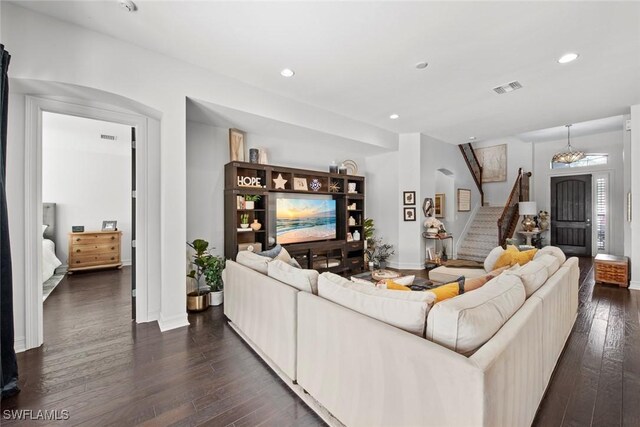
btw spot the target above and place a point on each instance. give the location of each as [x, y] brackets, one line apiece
[436, 238]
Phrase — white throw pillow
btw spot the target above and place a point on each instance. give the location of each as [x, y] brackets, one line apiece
[406, 310]
[405, 280]
[254, 261]
[305, 280]
[283, 256]
[533, 275]
[552, 250]
[466, 322]
[550, 261]
[491, 259]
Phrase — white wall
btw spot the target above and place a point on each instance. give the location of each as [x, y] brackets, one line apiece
[383, 202]
[436, 155]
[519, 155]
[87, 177]
[162, 84]
[607, 142]
[208, 152]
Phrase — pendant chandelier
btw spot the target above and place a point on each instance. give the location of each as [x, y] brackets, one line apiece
[569, 155]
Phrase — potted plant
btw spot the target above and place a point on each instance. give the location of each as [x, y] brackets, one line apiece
[197, 300]
[250, 200]
[213, 278]
[382, 254]
[244, 220]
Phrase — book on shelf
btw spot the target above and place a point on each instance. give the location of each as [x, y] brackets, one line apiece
[244, 230]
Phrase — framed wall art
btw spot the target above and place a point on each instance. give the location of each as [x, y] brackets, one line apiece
[236, 145]
[439, 205]
[494, 162]
[464, 200]
[409, 214]
[409, 197]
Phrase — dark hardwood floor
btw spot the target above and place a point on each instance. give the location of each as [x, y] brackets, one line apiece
[106, 370]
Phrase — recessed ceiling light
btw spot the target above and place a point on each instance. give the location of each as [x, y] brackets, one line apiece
[394, 116]
[128, 5]
[287, 72]
[568, 57]
[472, 138]
[422, 65]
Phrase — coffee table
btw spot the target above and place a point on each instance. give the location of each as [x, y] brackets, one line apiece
[367, 275]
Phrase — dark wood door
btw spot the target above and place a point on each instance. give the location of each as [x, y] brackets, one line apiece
[571, 214]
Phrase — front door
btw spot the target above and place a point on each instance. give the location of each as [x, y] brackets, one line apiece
[571, 214]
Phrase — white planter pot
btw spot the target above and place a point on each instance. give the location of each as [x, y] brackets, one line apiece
[249, 205]
[215, 298]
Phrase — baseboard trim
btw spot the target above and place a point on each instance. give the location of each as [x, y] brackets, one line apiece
[20, 344]
[406, 266]
[634, 285]
[174, 322]
[312, 403]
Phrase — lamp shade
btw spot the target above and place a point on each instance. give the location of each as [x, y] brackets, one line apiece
[527, 208]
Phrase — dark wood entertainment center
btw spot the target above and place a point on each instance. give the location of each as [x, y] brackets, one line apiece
[336, 255]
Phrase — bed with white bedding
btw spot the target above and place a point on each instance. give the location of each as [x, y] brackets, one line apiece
[49, 259]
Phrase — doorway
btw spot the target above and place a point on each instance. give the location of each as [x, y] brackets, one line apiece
[571, 214]
[147, 201]
[88, 192]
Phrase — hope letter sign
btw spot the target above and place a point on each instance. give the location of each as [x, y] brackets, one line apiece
[249, 181]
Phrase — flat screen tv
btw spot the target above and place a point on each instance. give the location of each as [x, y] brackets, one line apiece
[302, 219]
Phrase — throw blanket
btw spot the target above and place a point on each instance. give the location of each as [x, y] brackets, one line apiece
[463, 263]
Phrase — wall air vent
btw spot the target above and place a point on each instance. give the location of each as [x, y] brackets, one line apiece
[108, 137]
[509, 87]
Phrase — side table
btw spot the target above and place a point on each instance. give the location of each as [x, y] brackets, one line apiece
[612, 269]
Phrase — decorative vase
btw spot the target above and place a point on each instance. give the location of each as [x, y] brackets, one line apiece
[255, 226]
[263, 159]
[431, 231]
[352, 221]
[254, 155]
[249, 205]
[216, 298]
[371, 265]
[356, 236]
[244, 225]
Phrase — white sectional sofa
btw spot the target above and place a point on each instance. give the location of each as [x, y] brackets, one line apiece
[355, 370]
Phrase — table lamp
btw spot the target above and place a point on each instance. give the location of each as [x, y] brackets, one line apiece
[528, 209]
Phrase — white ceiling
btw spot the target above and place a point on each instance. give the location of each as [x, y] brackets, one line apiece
[591, 127]
[357, 58]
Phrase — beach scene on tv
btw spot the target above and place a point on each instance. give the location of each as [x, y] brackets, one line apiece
[304, 220]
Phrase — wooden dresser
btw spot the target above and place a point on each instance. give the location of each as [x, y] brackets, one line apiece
[94, 249]
[612, 269]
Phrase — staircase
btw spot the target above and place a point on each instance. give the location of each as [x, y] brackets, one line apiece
[492, 226]
[482, 235]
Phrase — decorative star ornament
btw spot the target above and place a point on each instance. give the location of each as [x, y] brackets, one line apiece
[279, 182]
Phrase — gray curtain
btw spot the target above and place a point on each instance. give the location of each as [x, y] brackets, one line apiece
[9, 366]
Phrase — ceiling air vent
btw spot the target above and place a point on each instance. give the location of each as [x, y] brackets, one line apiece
[509, 87]
[108, 137]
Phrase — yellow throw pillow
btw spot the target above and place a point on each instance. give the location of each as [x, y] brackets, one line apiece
[449, 290]
[396, 286]
[513, 256]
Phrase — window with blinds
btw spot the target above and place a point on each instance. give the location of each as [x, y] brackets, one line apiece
[601, 212]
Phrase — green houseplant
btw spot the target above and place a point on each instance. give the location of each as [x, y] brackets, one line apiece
[213, 277]
[197, 300]
[244, 220]
[250, 200]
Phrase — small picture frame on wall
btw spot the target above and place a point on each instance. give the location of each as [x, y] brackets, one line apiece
[409, 197]
[464, 200]
[439, 205]
[236, 145]
[300, 184]
[109, 225]
[409, 214]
